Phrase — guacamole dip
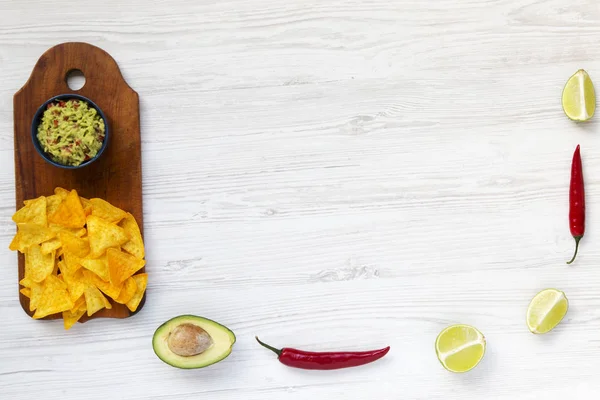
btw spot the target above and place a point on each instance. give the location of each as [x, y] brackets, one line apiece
[71, 132]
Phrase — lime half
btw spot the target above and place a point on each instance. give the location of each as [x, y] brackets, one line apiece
[579, 97]
[546, 310]
[460, 348]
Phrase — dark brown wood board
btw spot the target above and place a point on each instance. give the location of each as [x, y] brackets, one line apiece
[116, 176]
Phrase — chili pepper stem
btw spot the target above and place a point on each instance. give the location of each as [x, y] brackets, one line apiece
[273, 349]
[577, 239]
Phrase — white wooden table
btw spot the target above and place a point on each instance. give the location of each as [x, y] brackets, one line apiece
[331, 175]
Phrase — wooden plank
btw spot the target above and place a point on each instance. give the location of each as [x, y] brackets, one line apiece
[117, 175]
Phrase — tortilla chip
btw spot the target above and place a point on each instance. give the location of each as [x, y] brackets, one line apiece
[103, 234]
[79, 304]
[26, 282]
[135, 245]
[36, 295]
[106, 287]
[141, 280]
[98, 266]
[34, 212]
[52, 203]
[61, 192]
[54, 298]
[74, 245]
[71, 317]
[26, 292]
[69, 213]
[87, 206]
[95, 300]
[103, 209]
[29, 234]
[122, 265]
[127, 292]
[57, 229]
[37, 265]
[71, 263]
[51, 246]
[76, 284]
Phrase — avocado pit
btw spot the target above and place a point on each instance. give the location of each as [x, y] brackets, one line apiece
[188, 340]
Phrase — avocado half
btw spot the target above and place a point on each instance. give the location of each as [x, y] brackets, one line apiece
[189, 341]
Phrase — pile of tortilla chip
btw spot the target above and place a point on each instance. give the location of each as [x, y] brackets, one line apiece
[80, 256]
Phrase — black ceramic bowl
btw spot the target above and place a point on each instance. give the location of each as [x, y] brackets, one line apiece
[38, 117]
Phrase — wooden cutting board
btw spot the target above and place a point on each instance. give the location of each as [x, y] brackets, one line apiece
[116, 176]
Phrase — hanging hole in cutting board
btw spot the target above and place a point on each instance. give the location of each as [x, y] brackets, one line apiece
[75, 79]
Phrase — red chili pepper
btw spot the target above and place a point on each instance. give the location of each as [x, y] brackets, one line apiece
[55, 123]
[61, 104]
[576, 202]
[325, 360]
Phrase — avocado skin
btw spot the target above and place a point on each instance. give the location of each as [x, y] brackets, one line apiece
[200, 321]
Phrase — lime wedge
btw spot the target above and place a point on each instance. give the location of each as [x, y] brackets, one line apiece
[546, 310]
[460, 348]
[579, 97]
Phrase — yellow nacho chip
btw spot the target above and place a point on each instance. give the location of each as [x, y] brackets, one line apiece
[103, 234]
[79, 303]
[103, 209]
[122, 265]
[73, 244]
[26, 282]
[76, 284]
[70, 317]
[141, 281]
[15, 243]
[33, 212]
[52, 203]
[54, 298]
[37, 265]
[73, 315]
[98, 266]
[57, 229]
[69, 213]
[135, 245]
[61, 192]
[36, 295]
[95, 300]
[26, 292]
[29, 234]
[51, 245]
[71, 263]
[87, 206]
[127, 292]
[106, 287]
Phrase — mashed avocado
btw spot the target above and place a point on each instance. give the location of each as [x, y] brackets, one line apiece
[71, 132]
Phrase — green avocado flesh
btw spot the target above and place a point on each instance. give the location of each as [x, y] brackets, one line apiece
[181, 334]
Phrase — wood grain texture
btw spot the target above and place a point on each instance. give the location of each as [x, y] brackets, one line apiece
[117, 174]
[332, 175]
